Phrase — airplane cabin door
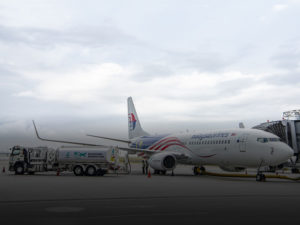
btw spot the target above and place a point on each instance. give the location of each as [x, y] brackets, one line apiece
[243, 143]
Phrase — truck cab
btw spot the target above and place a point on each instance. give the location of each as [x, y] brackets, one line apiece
[18, 159]
[28, 160]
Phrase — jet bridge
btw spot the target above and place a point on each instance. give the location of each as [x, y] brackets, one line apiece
[287, 129]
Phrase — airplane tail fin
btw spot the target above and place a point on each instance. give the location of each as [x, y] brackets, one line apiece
[134, 126]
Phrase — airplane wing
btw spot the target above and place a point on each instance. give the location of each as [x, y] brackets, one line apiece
[129, 150]
[180, 156]
[107, 138]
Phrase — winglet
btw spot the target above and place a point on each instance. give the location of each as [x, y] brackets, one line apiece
[36, 132]
[63, 141]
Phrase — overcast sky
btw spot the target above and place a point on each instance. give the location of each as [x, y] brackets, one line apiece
[197, 65]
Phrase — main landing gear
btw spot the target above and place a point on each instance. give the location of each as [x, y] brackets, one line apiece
[199, 170]
[162, 172]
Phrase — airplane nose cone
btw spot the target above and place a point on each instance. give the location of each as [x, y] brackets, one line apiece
[287, 152]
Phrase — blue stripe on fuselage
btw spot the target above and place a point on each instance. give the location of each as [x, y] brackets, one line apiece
[146, 141]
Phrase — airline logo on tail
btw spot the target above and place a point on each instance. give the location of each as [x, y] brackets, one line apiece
[132, 121]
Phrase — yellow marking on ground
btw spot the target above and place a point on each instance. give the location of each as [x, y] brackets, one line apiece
[249, 175]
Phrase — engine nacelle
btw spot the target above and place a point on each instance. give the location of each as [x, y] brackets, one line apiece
[232, 168]
[162, 161]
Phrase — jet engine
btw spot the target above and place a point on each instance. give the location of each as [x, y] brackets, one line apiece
[162, 161]
[232, 168]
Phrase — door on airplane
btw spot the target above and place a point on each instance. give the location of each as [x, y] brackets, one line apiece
[243, 142]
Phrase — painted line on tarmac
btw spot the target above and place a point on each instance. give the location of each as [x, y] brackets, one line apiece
[151, 197]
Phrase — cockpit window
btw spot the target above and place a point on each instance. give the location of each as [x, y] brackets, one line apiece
[264, 140]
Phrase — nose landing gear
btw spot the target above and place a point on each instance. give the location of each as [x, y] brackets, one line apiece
[260, 177]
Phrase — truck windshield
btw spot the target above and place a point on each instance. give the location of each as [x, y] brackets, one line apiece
[16, 152]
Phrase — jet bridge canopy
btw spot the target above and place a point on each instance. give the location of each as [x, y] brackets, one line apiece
[287, 129]
[275, 127]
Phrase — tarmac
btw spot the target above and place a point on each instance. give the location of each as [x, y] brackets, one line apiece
[45, 198]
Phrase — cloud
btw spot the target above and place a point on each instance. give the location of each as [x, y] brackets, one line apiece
[76, 87]
[180, 63]
[287, 56]
[279, 7]
[44, 38]
[184, 95]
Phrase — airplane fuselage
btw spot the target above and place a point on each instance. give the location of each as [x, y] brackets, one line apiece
[235, 148]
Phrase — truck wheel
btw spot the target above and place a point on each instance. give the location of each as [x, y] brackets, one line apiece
[78, 171]
[90, 171]
[19, 169]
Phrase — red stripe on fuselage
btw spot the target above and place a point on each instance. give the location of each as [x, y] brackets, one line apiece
[161, 142]
[167, 146]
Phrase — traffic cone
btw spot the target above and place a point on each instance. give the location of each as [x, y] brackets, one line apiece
[57, 172]
[3, 170]
[149, 174]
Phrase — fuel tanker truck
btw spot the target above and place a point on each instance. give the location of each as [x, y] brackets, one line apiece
[89, 161]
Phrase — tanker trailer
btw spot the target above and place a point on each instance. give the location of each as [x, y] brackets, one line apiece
[85, 160]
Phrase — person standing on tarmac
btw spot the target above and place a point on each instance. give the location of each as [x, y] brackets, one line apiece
[143, 166]
[146, 166]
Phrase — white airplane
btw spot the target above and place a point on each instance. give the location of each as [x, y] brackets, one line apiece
[231, 150]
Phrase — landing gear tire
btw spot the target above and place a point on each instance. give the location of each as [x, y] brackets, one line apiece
[78, 171]
[260, 177]
[90, 171]
[163, 172]
[19, 169]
